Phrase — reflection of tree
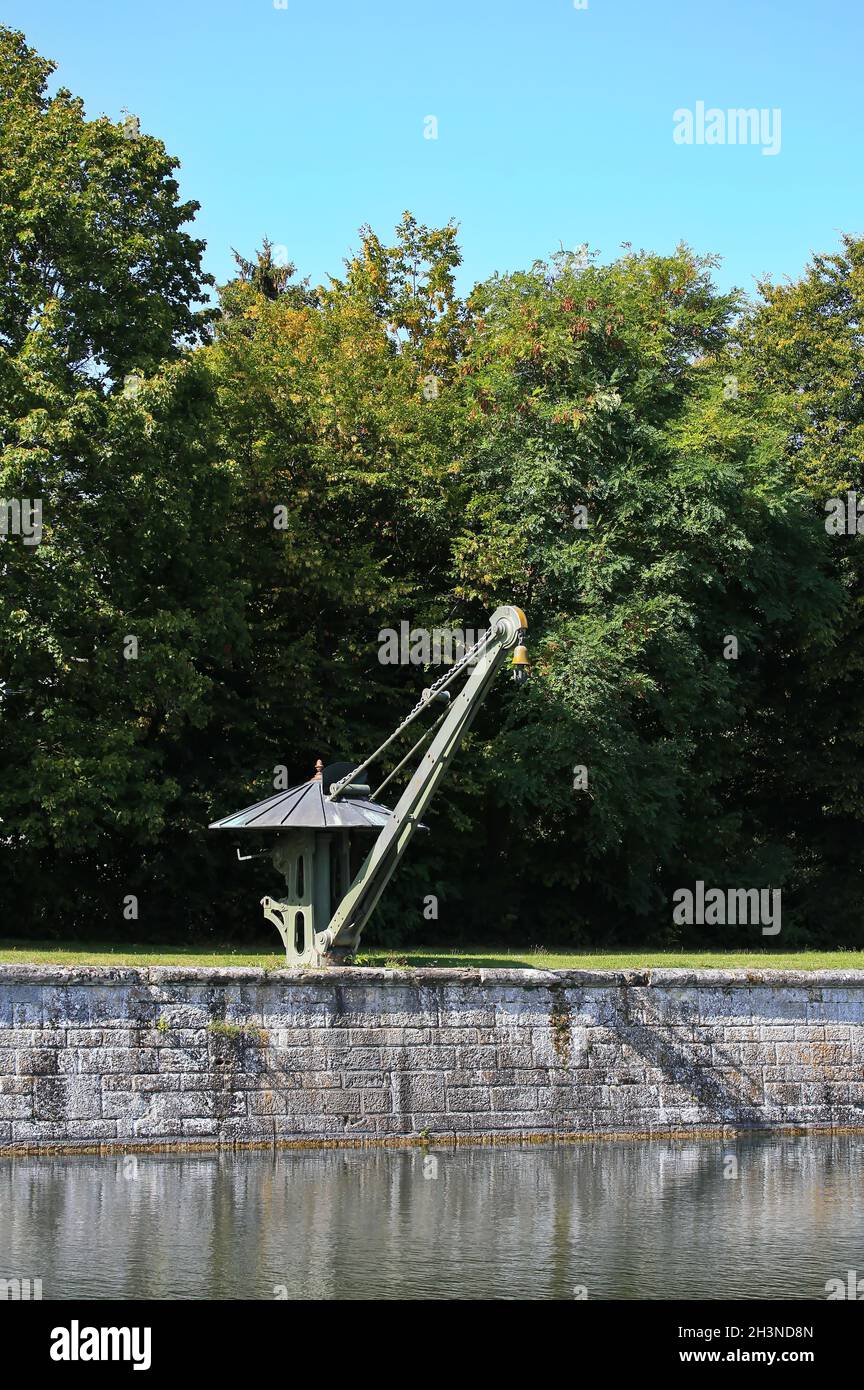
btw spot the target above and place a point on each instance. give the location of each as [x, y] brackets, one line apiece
[627, 1219]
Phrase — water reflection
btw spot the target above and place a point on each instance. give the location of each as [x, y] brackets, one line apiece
[659, 1220]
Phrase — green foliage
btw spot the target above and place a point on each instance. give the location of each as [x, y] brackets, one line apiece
[799, 360]
[596, 389]
[801, 353]
[98, 275]
[410, 287]
[100, 279]
[254, 501]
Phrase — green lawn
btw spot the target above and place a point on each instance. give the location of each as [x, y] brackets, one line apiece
[83, 953]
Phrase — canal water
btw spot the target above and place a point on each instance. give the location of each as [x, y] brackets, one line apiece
[762, 1217]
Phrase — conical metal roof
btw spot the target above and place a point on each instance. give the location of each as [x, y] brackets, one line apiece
[307, 808]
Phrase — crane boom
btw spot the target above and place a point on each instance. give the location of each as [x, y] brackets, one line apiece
[342, 934]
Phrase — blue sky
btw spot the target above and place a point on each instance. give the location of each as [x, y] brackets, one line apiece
[555, 124]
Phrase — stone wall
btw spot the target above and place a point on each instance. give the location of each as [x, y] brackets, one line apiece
[200, 1056]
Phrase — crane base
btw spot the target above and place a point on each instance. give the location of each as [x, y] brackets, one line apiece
[302, 946]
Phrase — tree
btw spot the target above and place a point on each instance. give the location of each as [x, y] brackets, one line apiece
[107, 422]
[236, 502]
[268, 276]
[410, 287]
[798, 361]
[802, 352]
[638, 535]
[99, 277]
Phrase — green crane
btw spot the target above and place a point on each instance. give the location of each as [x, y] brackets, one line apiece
[321, 826]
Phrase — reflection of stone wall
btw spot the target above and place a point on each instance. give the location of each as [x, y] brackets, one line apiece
[227, 1056]
[626, 1220]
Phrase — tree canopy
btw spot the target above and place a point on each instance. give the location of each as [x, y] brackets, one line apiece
[238, 497]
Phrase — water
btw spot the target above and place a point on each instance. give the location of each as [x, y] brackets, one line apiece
[642, 1220]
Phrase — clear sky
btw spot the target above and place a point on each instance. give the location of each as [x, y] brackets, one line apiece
[554, 123]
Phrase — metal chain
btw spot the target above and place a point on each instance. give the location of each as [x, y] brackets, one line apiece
[424, 737]
[422, 703]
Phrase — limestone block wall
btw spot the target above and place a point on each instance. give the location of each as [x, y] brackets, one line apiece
[224, 1057]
